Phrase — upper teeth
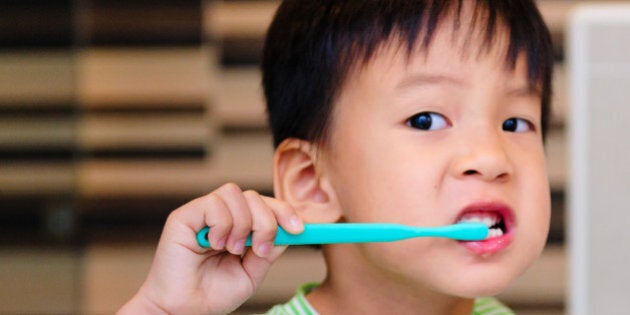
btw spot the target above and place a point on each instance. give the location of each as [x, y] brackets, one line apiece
[488, 219]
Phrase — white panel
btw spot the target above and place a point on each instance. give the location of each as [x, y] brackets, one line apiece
[599, 194]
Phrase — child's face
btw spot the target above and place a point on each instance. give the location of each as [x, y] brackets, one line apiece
[479, 157]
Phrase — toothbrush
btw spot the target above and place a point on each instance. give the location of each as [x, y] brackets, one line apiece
[336, 233]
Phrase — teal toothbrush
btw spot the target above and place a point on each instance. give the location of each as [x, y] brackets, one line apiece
[336, 233]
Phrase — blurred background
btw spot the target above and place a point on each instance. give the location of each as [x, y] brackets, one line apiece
[113, 113]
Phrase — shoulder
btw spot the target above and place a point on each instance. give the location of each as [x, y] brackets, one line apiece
[490, 305]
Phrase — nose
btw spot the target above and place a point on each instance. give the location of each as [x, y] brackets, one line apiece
[483, 156]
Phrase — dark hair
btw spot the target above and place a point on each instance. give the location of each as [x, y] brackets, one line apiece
[312, 44]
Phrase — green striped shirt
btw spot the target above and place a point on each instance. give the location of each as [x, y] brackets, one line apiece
[298, 305]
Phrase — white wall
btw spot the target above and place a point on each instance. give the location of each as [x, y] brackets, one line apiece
[599, 187]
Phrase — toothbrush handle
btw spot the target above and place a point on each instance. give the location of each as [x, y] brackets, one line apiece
[336, 233]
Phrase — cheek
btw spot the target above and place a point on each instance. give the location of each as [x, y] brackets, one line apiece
[389, 186]
[535, 208]
[536, 193]
[535, 225]
[417, 262]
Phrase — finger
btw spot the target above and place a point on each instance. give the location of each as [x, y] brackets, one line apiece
[264, 224]
[285, 214]
[241, 217]
[208, 210]
[217, 216]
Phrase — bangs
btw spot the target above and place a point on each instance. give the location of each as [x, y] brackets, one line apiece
[366, 26]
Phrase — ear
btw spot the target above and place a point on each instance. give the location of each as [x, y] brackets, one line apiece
[298, 181]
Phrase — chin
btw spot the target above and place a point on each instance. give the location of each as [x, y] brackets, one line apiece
[486, 279]
[492, 275]
[477, 287]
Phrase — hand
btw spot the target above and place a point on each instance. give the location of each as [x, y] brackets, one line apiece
[188, 279]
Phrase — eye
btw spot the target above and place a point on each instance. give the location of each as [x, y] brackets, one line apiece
[428, 121]
[517, 125]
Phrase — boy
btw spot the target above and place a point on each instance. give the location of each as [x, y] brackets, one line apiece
[418, 112]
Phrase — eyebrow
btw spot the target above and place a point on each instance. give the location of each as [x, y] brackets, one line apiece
[431, 79]
[428, 79]
[525, 90]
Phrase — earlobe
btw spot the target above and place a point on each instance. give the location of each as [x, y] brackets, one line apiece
[298, 180]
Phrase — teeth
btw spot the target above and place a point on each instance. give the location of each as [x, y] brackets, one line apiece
[489, 219]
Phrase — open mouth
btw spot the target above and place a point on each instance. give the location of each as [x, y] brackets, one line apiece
[499, 218]
[495, 221]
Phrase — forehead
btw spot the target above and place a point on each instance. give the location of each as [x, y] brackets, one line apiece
[459, 47]
[467, 32]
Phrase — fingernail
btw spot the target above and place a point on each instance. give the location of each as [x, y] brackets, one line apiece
[220, 244]
[239, 247]
[263, 249]
[295, 223]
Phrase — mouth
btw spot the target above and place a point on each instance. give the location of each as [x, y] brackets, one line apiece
[500, 222]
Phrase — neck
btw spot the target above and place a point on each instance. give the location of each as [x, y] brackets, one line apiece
[351, 287]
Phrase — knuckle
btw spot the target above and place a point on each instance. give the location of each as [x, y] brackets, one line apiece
[251, 194]
[212, 204]
[230, 188]
[243, 223]
[173, 215]
[203, 200]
